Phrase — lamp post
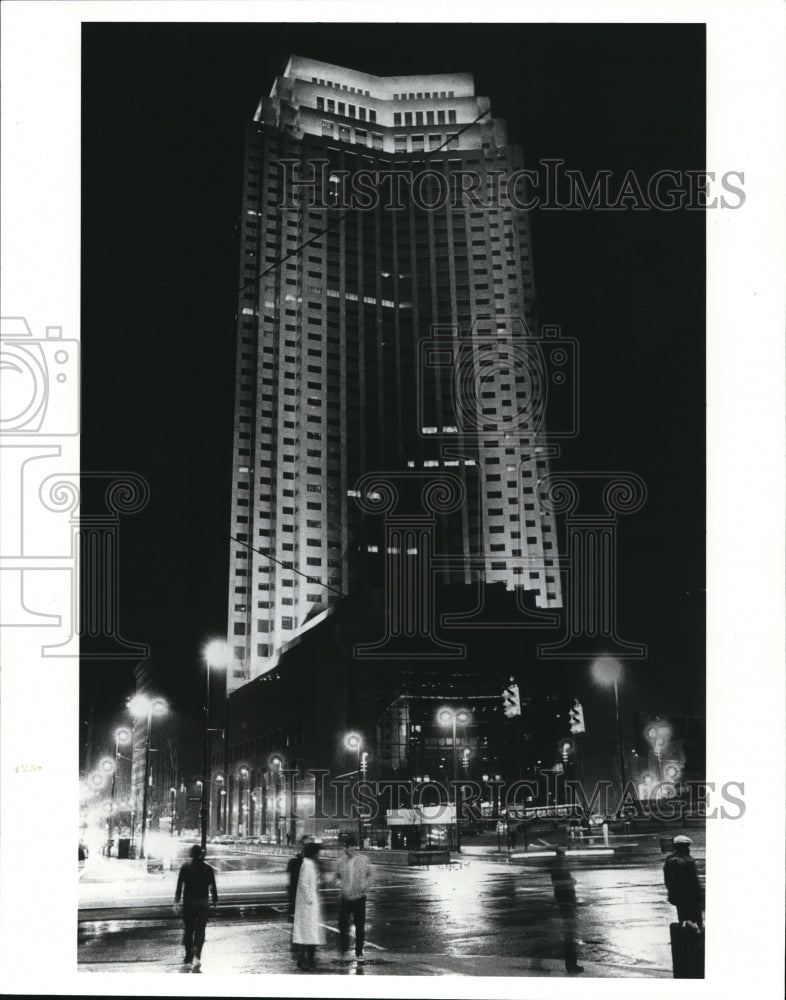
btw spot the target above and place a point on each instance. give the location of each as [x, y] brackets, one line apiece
[221, 794]
[608, 671]
[242, 800]
[449, 717]
[143, 707]
[353, 742]
[276, 764]
[566, 748]
[109, 766]
[122, 736]
[658, 734]
[215, 655]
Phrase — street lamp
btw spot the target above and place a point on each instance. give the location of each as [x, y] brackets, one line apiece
[658, 734]
[215, 653]
[275, 763]
[242, 800]
[122, 735]
[354, 742]
[143, 707]
[608, 671]
[449, 717]
[222, 792]
[566, 749]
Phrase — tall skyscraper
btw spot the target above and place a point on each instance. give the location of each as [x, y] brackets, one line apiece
[385, 322]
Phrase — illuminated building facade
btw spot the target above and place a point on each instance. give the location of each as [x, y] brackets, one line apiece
[377, 337]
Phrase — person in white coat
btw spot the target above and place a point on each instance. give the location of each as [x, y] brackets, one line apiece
[307, 929]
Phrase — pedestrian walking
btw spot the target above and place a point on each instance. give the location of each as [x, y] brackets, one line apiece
[307, 931]
[353, 874]
[682, 882]
[195, 882]
[564, 885]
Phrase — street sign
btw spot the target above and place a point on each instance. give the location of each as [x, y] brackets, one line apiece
[194, 798]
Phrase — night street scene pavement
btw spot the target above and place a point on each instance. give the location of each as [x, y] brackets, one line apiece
[485, 913]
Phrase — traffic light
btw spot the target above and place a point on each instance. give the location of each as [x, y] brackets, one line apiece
[511, 702]
[576, 716]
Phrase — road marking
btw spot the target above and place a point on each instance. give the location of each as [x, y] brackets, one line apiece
[369, 943]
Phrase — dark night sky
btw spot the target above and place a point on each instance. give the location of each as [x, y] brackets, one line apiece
[164, 108]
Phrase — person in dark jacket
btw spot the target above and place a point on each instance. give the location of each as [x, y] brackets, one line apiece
[682, 882]
[564, 885]
[196, 881]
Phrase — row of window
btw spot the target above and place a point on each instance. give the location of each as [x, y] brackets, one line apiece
[431, 117]
[346, 134]
[349, 110]
[340, 86]
[427, 95]
[417, 143]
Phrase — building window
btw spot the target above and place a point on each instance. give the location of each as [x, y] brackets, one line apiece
[327, 129]
[320, 104]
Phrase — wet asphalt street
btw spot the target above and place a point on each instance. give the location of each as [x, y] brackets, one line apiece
[473, 909]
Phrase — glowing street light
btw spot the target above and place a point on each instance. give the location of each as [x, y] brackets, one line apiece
[243, 800]
[221, 801]
[352, 741]
[276, 763]
[606, 670]
[449, 717]
[658, 735]
[143, 707]
[215, 653]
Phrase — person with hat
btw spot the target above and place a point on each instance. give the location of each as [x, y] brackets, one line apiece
[682, 882]
[196, 881]
[307, 929]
